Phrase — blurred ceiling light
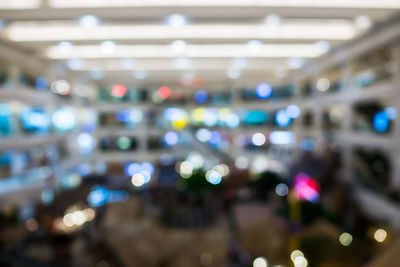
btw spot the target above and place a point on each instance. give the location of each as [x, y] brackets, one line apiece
[204, 64]
[193, 51]
[96, 74]
[323, 46]
[178, 46]
[20, 4]
[254, 46]
[311, 29]
[272, 20]
[140, 74]
[108, 47]
[295, 63]
[65, 47]
[384, 4]
[239, 63]
[363, 22]
[176, 20]
[127, 63]
[181, 63]
[74, 63]
[233, 74]
[88, 21]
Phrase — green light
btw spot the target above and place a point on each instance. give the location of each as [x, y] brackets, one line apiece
[124, 143]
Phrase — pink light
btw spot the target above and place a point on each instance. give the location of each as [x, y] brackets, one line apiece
[118, 90]
[306, 188]
[164, 92]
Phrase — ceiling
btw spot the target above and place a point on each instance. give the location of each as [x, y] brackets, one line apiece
[187, 43]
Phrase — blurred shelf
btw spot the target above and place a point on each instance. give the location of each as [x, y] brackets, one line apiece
[367, 140]
[122, 131]
[34, 96]
[378, 207]
[136, 156]
[26, 142]
[33, 178]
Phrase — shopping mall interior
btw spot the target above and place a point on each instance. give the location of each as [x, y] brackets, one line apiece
[191, 133]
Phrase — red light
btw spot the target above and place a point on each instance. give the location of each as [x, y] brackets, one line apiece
[306, 188]
[118, 90]
[164, 92]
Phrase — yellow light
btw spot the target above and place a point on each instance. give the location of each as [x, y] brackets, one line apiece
[198, 114]
[380, 235]
[89, 214]
[179, 124]
[67, 220]
[260, 262]
[223, 114]
[295, 254]
[138, 180]
[345, 239]
[186, 169]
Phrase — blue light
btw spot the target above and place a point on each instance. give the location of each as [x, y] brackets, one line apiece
[171, 138]
[173, 114]
[84, 169]
[129, 116]
[213, 177]
[256, 117]
[98, 196]
[41, 83]
[132, 168]
[391, 112]
[381, 122]
[147, 166]
[85, 142]
[308, 144]
[5, 116]
[35, 120]
[215, 137]
[201, 97]
[122, 115]
[293, 111]
[282, 119]
[146, 175]
[263, 90]
[47, 196]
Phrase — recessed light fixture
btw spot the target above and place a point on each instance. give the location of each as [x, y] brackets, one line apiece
[179, 46]
[295, 63]
[272, 20]
[363, 22]
[233, 73]
[140, 74]
[108, 47]
[88, 21]
[176, 20]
